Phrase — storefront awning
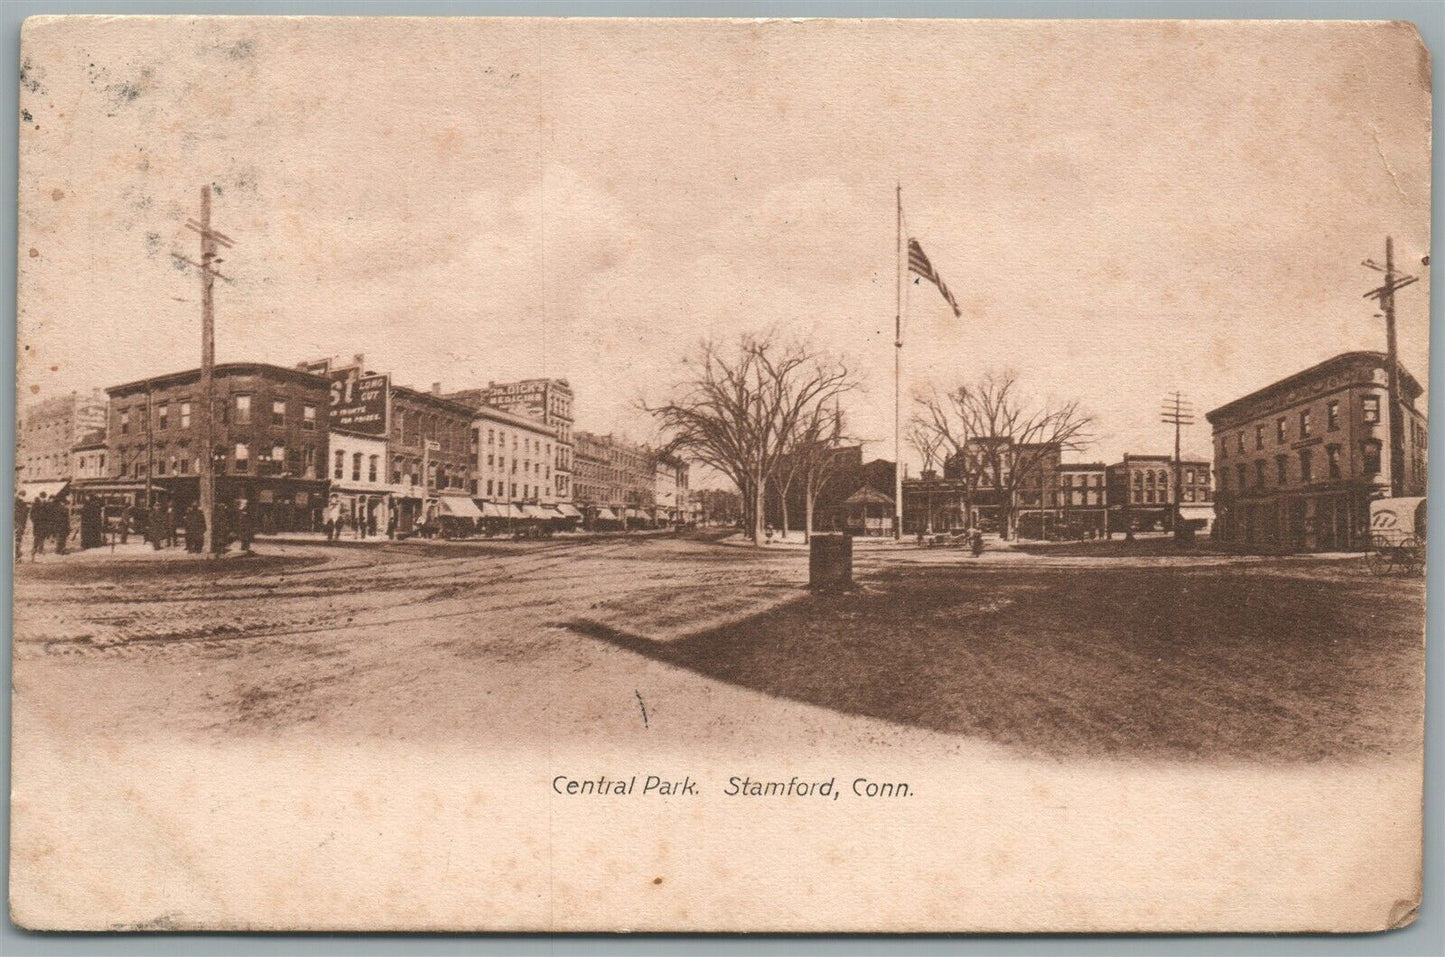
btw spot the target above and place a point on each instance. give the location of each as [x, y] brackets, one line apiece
[607, 515]
[493, 510]
[568, 510]
[536, 511]
[458, 506]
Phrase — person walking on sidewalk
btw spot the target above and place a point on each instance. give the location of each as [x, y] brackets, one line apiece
[60, 523]
[156, 526]
[195, 529]
[39, 525]
[245, 525]
[22, 515]
[92, 523]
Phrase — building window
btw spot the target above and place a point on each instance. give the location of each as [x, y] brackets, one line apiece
[308, 417]
[491, 436]
[1259, 436]
[1223, 449]
[1305, 474]
[185, 415]
[1279, 430]
[1259, 473]
[125, 422]
[163, 416]
[308, 462]
[1332, 415]
[1370, 456]
[243, 457]
[356, 466]
[1371, 408]
[1239, 442]
[396, 468]
[338, 469]
[1281, 468]
[278, 458]
[1304, 423]
[242, 405]
[278, 411]
[489, 487]
[372, 465]
[1333, 454]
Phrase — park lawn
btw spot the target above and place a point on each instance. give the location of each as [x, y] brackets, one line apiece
[1276, 663]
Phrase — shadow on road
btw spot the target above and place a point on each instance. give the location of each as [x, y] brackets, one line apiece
[1200, 664]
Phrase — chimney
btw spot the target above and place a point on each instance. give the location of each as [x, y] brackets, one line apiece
[436, 388]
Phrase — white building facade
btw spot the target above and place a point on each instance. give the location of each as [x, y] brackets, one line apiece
[516, 458]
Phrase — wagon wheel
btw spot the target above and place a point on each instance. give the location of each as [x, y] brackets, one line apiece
[1412, 556]
[1377, 562]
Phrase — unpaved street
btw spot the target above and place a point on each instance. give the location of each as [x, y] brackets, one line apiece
[351, 723]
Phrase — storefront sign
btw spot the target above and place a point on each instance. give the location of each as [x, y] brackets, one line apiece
[358, 402]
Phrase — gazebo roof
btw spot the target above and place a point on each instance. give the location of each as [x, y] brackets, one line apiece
[868, 495]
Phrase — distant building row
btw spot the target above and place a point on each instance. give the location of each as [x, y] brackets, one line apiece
[289, 440]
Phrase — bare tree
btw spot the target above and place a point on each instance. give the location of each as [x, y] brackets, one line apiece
[1000, 438]
[741, 411]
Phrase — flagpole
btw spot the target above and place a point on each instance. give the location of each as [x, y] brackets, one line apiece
[898, 375]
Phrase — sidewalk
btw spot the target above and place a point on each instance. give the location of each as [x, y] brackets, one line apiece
[135, 550]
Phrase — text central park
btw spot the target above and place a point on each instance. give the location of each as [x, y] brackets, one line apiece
[737, 786]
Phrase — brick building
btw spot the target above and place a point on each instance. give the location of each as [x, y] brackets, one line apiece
[268, 441]
[615, 480]
[1298, 461]
[1141, 491]
[50, 429]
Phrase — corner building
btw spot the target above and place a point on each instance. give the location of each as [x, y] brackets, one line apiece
[1298, 461]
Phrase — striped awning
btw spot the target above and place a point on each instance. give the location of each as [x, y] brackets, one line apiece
[568, 510]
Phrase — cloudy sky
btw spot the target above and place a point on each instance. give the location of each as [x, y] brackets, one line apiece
[1121, 209]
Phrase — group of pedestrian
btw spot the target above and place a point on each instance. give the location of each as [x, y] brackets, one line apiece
[48, 519]
[363, 523]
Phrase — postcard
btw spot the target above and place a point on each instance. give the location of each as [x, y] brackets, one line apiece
[720, 475]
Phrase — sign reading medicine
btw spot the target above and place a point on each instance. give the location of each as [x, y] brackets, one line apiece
[358, 402]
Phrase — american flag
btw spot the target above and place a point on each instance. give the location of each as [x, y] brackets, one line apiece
[918, 263]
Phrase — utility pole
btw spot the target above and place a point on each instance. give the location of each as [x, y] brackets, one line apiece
[1385, 295]
[1178, 411]
[210, 239]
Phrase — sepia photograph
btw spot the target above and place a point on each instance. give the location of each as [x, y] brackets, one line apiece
[499, 474]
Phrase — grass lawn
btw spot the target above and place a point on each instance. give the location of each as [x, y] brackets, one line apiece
[1277, 662]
